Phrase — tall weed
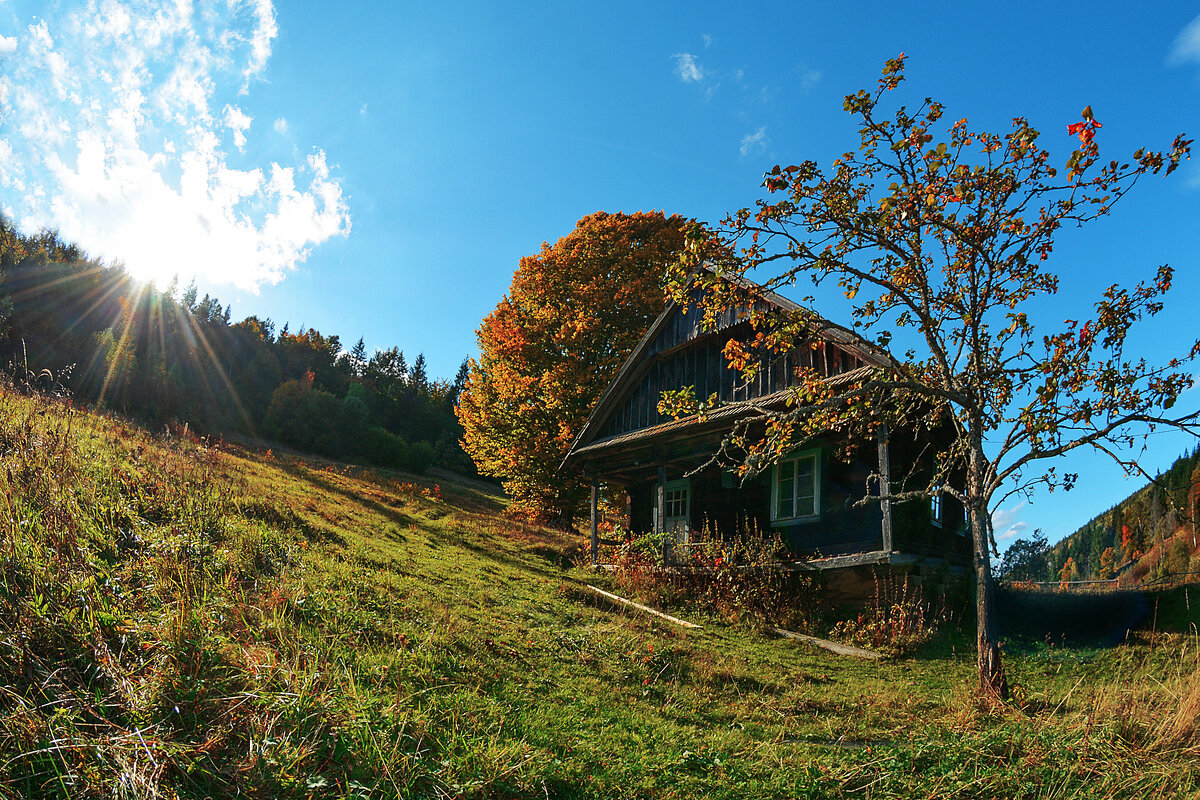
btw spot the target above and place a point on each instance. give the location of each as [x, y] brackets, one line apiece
[897, 619]
[739, 578]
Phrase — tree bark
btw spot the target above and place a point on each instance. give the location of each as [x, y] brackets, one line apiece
[992, 679]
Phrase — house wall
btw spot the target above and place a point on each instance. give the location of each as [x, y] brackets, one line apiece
[913, 529]
[728, 506]
[843, 527]
[683, 352]
[641, 508]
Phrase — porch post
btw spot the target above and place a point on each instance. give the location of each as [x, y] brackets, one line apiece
[885, 487]
[661, 501]
[595, 521]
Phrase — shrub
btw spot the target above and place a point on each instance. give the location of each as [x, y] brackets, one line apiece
[305, 417]
[1179, 556]
[420, 457]
[897, 620]
[739, 578]
[384, 449]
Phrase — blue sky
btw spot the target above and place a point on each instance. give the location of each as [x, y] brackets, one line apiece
[377, 170]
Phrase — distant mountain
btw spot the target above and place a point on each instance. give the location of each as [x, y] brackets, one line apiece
[1151, 532]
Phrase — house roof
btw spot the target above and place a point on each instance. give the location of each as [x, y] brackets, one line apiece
[723, 414]
[587, 440]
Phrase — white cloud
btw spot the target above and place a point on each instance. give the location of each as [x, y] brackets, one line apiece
[1007, 522]
[8, 44]
[809, 78]
[688, 68]
[265, 31]
[237, 121]
[113, 139]
[755, 143]
[41, 47]
[708, 41]
[1187, 44]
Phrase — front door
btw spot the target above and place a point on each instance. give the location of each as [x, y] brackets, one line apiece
[677, 502]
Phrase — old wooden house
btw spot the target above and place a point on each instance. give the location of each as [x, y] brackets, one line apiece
[811, 497]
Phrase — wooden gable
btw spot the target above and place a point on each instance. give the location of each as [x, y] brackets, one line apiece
[679, 350]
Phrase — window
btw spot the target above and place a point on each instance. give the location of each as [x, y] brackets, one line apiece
[796, 489]
[675, 502]
[935, 507]
[676, 507]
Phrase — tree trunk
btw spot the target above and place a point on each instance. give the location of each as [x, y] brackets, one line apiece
[992, 679]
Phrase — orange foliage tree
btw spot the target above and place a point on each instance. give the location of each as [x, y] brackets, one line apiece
[574, 312]
[1068, 573]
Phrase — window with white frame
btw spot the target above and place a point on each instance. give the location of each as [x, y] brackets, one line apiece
[796, 488]
[675, 502]
[935, 506]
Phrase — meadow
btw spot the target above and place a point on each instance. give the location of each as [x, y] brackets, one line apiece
[181, 617]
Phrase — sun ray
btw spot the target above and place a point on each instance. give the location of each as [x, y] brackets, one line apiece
[129, 312]
[197, 332]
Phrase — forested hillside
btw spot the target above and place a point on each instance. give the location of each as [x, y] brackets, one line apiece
[167, 356]
[1156, 521]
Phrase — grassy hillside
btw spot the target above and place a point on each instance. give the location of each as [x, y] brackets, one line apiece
[185, 620]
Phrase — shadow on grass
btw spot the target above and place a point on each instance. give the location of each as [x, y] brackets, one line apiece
[284, 517]
[497, 555]
[313, 477]
[1030, 619]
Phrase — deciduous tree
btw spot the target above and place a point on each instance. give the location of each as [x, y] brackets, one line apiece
[1068, 573]
[1027, 559]
[939, 236]
[548, 350]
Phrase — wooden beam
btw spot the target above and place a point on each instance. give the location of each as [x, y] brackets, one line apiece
[839, 562]
[595, 521]
[661, 501]
[833, 647]
[681, 622]
[885, 488]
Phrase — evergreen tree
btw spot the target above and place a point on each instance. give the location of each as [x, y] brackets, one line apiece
[418, 377]
[188, 301]
[358, 358]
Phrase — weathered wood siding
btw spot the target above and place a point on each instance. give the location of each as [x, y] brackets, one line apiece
[845, 526]
[728, 507]
[685, 355]
[913, 528]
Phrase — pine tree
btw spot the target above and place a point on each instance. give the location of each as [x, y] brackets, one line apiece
[358, 358]
[188, 301]
[418, 376]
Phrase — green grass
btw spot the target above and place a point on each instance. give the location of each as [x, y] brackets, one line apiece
[186, 621]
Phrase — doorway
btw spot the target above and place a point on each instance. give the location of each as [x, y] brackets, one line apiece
[677, 507]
